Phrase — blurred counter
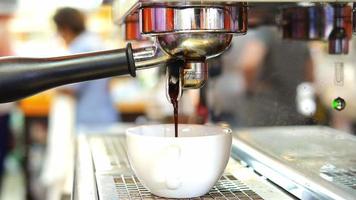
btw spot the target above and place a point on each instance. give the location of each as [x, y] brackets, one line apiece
[131, 110]
[38, 105]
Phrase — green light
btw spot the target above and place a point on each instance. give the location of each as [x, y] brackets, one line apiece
[338, 104]
[335, 104]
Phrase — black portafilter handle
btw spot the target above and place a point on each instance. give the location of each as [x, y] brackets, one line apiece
[23, 77]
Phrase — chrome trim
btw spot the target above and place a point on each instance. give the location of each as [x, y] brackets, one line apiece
[224, 19]
[196, 32]
[144, 53]
[312, 22]
[195, 74]
[194, 46]
[155, 61]
[342, 29]
[149, 57]
[132, 28]
[124, 8]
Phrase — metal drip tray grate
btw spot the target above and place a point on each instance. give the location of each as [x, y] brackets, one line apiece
[228, 187]
[346, 177]
[115, 179]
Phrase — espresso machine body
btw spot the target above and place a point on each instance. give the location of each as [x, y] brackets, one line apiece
[313, 162]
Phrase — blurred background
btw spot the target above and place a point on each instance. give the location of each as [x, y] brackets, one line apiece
[260, 81]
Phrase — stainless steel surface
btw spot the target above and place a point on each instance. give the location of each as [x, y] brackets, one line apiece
[194, 46]
[115, 180]
[129, 187]
[223, 19]
[195, 32]
[123, 8]
[192, 30]
[314, 21]
[309, 22]
[195, 74]
[149, 57]
[342, 29]
[298, 158]
[132, 28]
[331, 22]
[198, 32]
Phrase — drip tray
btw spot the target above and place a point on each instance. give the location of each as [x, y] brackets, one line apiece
[129, 187]
[340, 176]
[103, 172]
[116, 180]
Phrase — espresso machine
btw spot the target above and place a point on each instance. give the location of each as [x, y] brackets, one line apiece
[295, 162]
[301, 162]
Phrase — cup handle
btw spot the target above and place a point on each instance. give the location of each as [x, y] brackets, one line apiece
[173, 171]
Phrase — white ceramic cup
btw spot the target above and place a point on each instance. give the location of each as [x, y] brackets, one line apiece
[183, 167]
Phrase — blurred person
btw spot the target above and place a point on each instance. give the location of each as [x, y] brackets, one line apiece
[6, 9]
[225, 87]
[91, 106]
[94, 103]
[259, 76]
[273, 68]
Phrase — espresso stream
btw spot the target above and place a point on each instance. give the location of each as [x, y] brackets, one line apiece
[174, 87]
[173, 91]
